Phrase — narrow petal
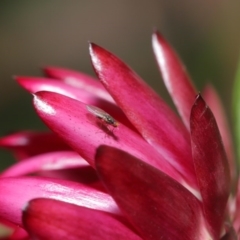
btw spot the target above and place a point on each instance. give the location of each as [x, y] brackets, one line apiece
[71, 120]
[43, 162]
[78, 80]
[37, 84]
[175, 77]
[156, 205]
[16, 192]
[146, 110]
[29, 143]
[210, 163]
[211, 97]
[51, 219]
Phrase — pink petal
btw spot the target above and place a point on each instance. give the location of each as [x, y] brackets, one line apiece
[211, 164]
[44, 162]
[29, 143]
[146, 110]
[16, 192]
[71, 120]
[211, 97]
[61, 165]
[79, 80]
[175, 77]
[51, 219]
[36, 84]
[156, 205]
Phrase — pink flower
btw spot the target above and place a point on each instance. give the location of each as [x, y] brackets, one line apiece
[141, 173]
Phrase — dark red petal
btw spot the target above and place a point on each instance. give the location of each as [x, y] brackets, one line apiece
[156, 205]
[213, 100]
[146, 110]
[174, 76]
[29, 143]
[210, 163]
[51, 219]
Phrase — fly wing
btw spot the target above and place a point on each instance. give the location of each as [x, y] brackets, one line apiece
[97, 111]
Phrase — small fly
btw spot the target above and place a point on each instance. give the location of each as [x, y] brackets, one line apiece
[103, 116]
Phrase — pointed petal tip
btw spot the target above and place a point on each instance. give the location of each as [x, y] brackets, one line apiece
[157, 37]
[156, 33]
[47, 69]
[41, 105]
[93, 48]
[199, 97]
[200, 102]
[23, 81]
[52, 71]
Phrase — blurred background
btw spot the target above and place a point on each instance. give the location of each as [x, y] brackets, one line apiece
[34, 34]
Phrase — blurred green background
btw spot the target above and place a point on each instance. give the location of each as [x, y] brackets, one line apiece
[34, 34]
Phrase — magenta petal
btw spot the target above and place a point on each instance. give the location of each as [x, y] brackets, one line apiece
[51, 219]
[45, 162]
[174, 76]
[29, 143]
[37, 84]
[211, 97]
[16, 192]
[79, 80]
[156, 205]
[210, 163]
[71, 120]
[146, 110]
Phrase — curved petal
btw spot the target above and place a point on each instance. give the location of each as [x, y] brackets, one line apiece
[79, 80]
[211, 97]
[210, 163]
[36, 84]
[146, 110]
[16, 192]
[156, 205]
[175, 77]
[68, 221]
[47, 161]
[71, 120]
[29, 143]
